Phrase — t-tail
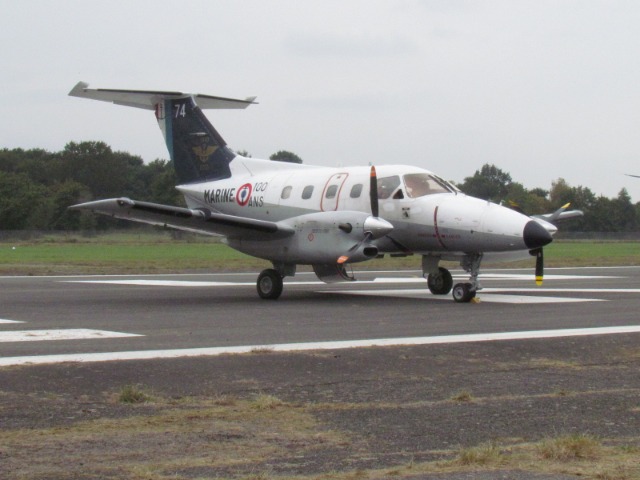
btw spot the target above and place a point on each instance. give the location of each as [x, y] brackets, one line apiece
[198, 151]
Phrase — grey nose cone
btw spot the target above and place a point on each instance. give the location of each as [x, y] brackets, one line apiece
[535, 235]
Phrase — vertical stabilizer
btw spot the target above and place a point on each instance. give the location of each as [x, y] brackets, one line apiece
[197, 150]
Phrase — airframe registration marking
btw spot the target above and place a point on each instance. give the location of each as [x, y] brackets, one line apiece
[66, 334]
[298, 347]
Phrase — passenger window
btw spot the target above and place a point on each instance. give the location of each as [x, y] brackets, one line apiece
[307, 192]
[331, 191]
[356, 191]
[286, 192]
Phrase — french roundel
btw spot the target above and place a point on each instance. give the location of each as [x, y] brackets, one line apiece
[244, 194]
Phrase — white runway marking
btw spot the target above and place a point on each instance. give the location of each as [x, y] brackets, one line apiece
[9, 321]
[67, 334]
[564, 290]
[483, 296]
[487, 295]
[379, 280]
[529, 277]
[297, 347]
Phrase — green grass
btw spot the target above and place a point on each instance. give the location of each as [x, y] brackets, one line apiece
[120, 254]
[159, 252]
[592, 253]
[133, 394]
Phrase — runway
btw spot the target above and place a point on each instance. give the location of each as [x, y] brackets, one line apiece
[532, 363]
[89, 318]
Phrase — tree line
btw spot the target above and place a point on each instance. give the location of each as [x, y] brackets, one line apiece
[37, 186]
[601, 214]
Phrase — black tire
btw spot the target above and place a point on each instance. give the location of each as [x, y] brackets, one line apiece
[440, 283]
[269, 284]
[463, 293]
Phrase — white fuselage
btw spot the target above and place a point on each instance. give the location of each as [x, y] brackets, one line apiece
[440, 220]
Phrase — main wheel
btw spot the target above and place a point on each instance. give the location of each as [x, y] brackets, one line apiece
[463, 292]
[269, 284]
[441, 282]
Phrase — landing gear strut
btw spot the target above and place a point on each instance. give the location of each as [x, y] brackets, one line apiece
[465, 292]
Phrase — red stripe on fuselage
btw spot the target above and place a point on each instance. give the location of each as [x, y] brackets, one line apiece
[437, 232]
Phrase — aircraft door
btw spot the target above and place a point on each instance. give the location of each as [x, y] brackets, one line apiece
[331, 193]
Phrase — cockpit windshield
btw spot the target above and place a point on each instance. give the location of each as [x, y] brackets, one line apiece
[421, 184]
[387, 185]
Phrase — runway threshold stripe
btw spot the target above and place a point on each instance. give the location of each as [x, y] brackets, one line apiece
[2, 320]
[297, 347]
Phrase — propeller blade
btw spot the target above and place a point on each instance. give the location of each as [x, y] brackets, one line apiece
[555, 215]
[539, 266]
[373, 192]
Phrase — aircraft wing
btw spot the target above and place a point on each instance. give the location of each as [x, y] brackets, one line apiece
[197, 221]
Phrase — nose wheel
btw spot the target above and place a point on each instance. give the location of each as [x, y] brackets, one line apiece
[465, 292]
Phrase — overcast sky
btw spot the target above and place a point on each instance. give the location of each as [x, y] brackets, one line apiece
[541, 89]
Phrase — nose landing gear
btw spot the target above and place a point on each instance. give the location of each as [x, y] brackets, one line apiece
[465, 292]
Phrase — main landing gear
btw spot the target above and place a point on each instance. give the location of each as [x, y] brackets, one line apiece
[440, 282]
[269, 284]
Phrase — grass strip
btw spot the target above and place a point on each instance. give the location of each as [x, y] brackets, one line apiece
[160, 253]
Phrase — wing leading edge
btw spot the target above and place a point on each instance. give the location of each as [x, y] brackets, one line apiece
[197, 221]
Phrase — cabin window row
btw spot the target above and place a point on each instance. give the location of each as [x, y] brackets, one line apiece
[331, 192]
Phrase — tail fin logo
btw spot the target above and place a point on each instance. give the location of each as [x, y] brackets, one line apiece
[202, 148]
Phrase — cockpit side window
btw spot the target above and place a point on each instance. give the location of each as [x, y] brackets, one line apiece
[387, 185]
[421, 184]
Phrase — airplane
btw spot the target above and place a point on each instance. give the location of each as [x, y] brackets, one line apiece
[326, 217]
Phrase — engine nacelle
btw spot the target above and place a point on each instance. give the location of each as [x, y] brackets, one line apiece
[321, 238]
[327, 238]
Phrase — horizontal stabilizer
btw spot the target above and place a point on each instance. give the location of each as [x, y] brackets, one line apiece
[148, 99]
[197, 221]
